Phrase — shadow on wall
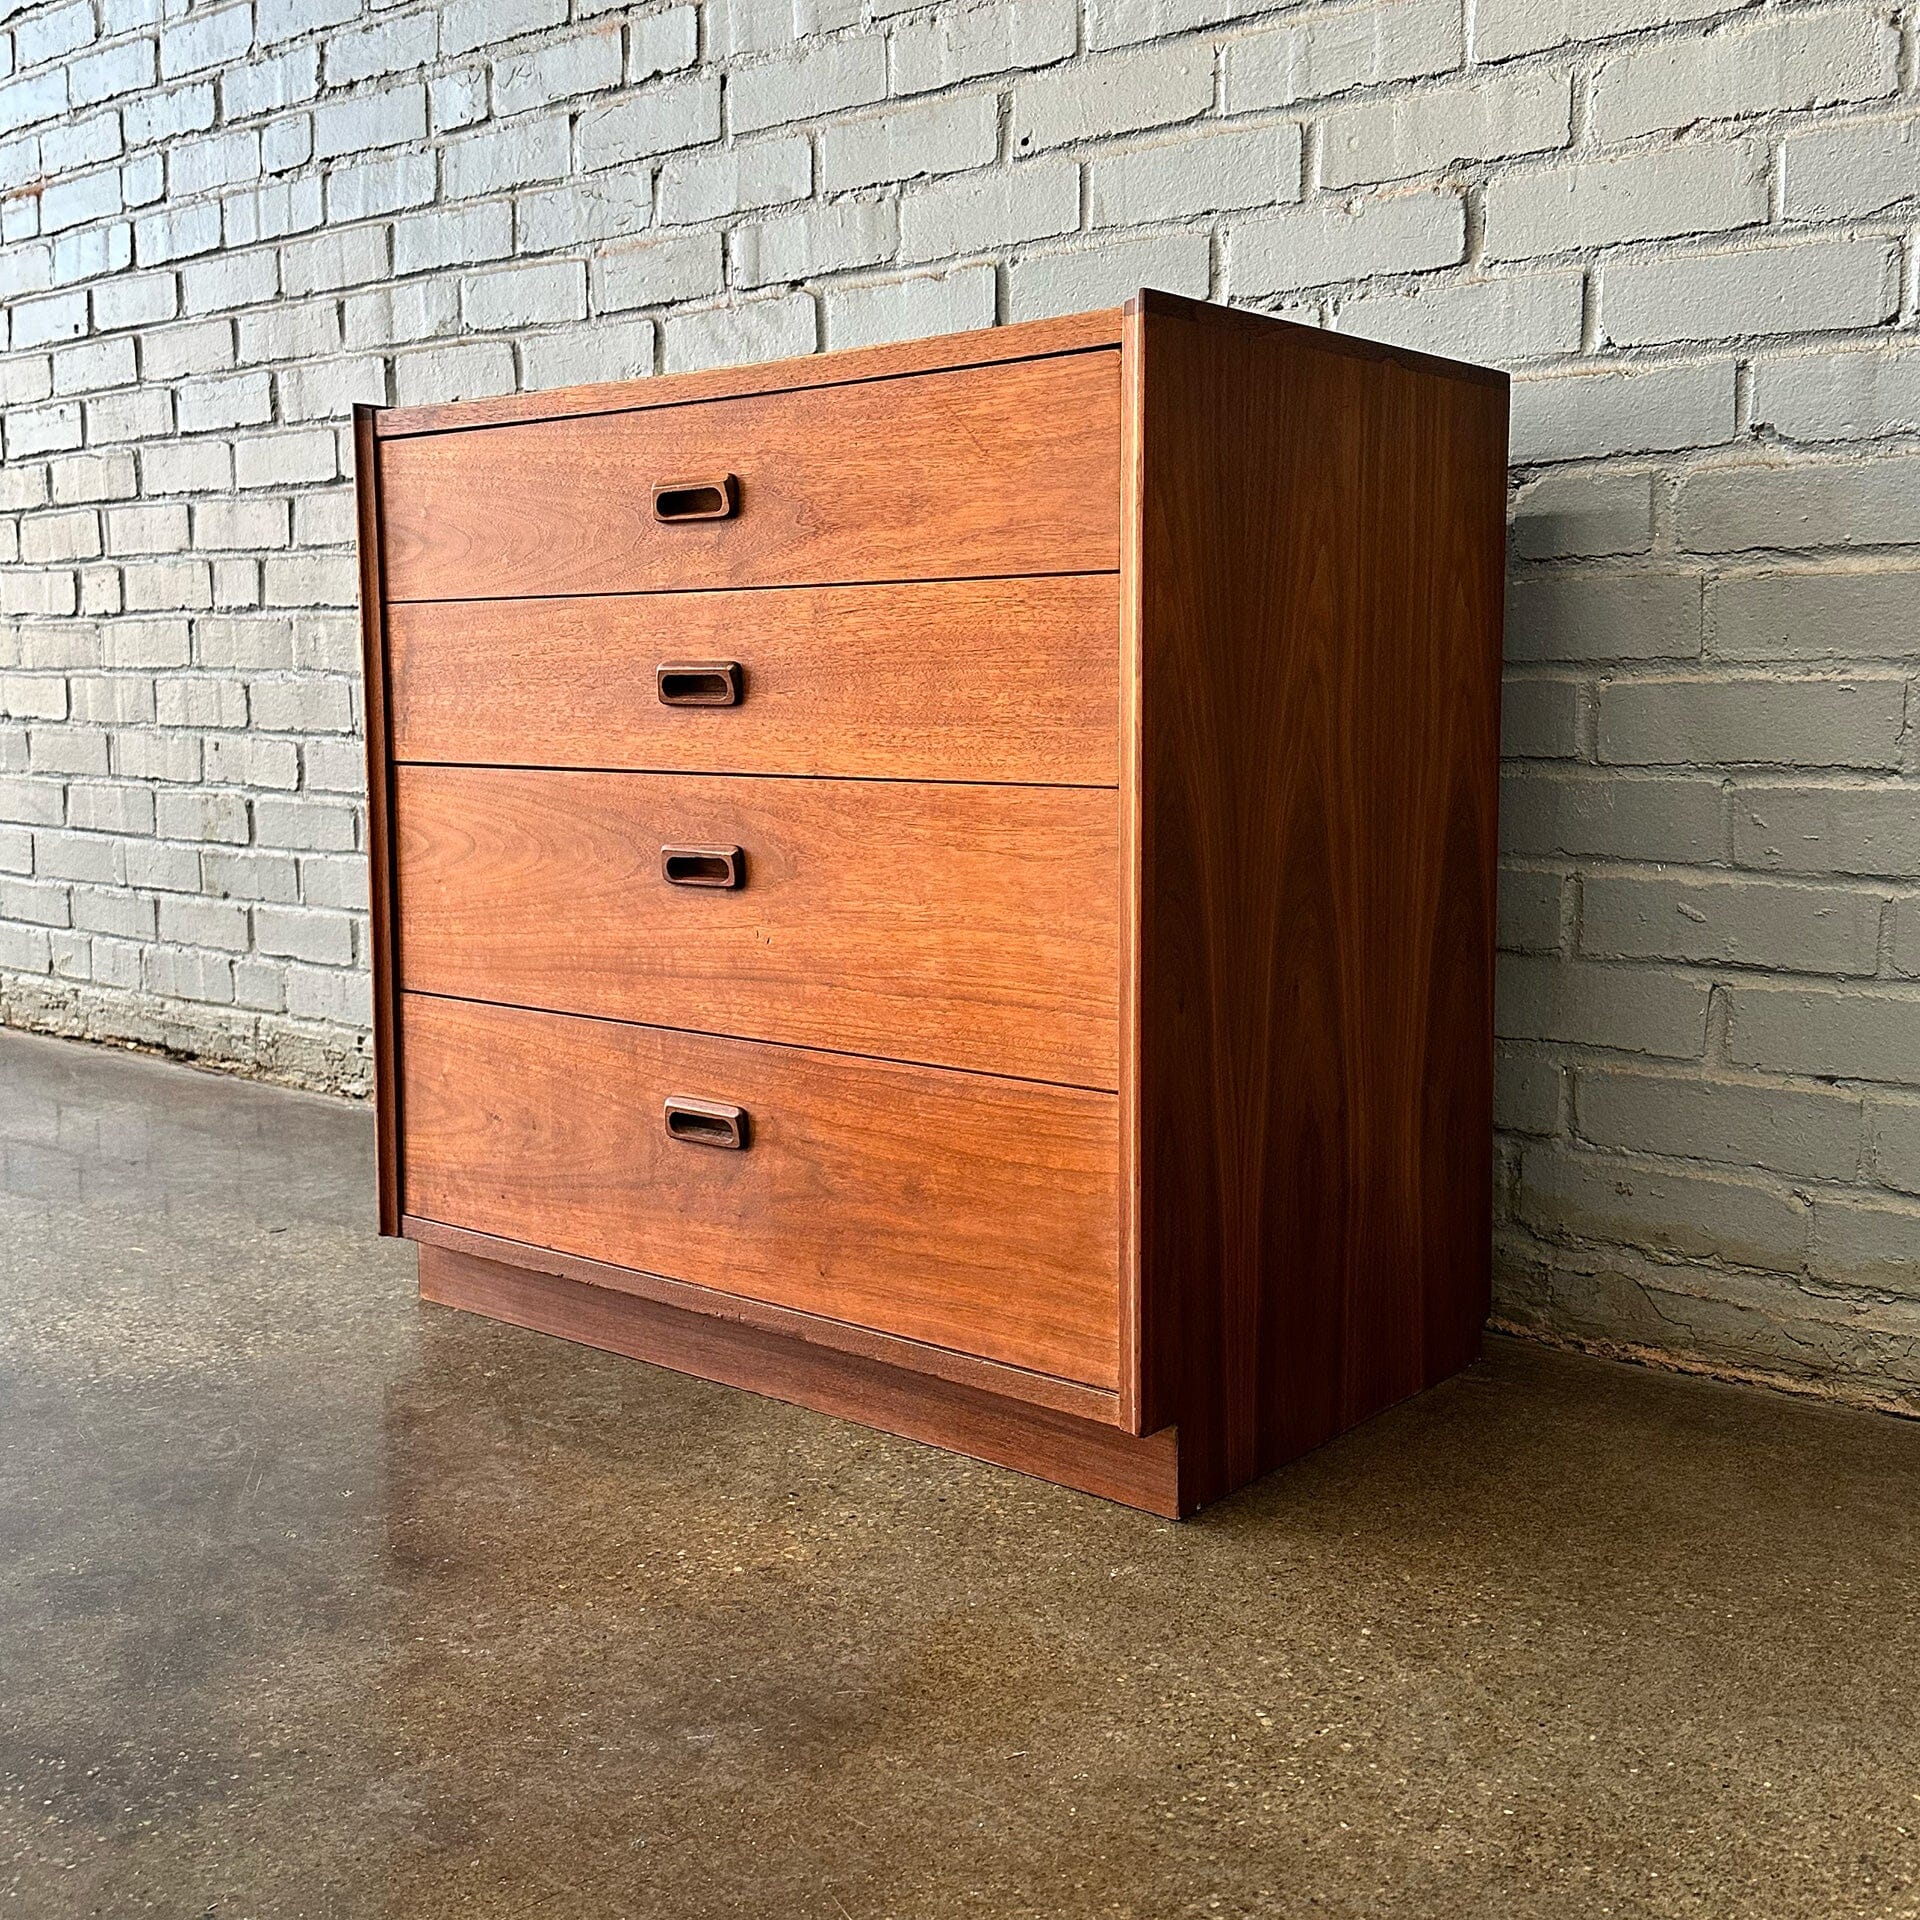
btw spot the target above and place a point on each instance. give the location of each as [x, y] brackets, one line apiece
[1709, 1010]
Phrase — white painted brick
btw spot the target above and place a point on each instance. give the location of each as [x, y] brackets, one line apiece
[817, 239]
[809, 84]
[1704, 188]
[1067, 280]
[1031, 200]
[369, 120]
[467, 24]
[287, 79]
[651, 273]
[1501, 321]
[660, 43]
[206, 40]
[588, 62]
[677, 113]
[1194, 174]
[327, 261]
[1807, 286]
[1846, 395]
[370, 188]
[524, 296]
[910, 143]
[1341, 48]
[456, 237]
[467, 372]
[1429, 130]
[744, 331]
[1809, 58]
[608, 350]
[1314, 245]
[596, 207]
[399, 44]
[1115, 93]
[968, 42]
[910, 308]
[735, 179]
[112, 72]
[514, 155]
[1503, 28]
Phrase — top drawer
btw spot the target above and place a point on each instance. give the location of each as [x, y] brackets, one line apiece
[1010, 469]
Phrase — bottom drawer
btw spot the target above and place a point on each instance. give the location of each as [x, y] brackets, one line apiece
[970, 1212]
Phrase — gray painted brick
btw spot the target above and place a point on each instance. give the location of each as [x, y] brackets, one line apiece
[1530, 902]
[1596, 814]
[1687, 721]
[1592, 411]
[1797, 828]
[1855, 394]
[1066, 280]
[1576, 513]
[1423, 132]
[1868, 1244]
[1801, 505]
[1642, 615]
[1740, 922]
[1540, 719]
[1849, 612]
[1801, 287]
[1643, 1010]
[1855, 1032]
[1602, 1197]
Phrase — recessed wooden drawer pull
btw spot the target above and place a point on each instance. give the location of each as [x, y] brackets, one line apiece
[707, 1123]
[698, 683]
[716, 499]
[703, 866]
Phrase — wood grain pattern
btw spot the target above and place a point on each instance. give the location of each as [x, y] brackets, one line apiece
[373, 679]
[1318, 630]
[1013, 680]
[943, 1363]
[950, 1208]
[987, 346]
[965, 926]
[992, 470]
[1095, 1458]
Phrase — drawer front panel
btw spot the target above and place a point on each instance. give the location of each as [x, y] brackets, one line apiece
[968, 1212]
[966, 926]
[1011, 469]
[1015, 680]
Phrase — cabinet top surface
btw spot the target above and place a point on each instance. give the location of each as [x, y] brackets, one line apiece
[1028, 339]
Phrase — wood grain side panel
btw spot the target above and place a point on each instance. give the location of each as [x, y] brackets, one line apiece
[1011, 680]
[1075, 1453]
[1040, 1389]
[1321, 557]
[994, 470]
[949, 1208]
[985, 346]
[966, 926]
[374, 692]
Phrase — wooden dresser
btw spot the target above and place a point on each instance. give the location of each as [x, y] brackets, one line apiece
[954, 883]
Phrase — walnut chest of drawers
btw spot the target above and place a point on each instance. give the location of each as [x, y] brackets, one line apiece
[954, 883]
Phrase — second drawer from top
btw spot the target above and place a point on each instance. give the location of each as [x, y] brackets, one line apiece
[962, 926]
[1015, 680]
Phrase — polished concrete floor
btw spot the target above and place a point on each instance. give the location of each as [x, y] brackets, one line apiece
[317, 1602]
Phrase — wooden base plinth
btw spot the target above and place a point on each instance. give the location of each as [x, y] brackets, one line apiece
[1083, 1454]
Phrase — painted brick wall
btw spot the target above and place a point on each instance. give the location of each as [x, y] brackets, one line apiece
[1687, 226]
